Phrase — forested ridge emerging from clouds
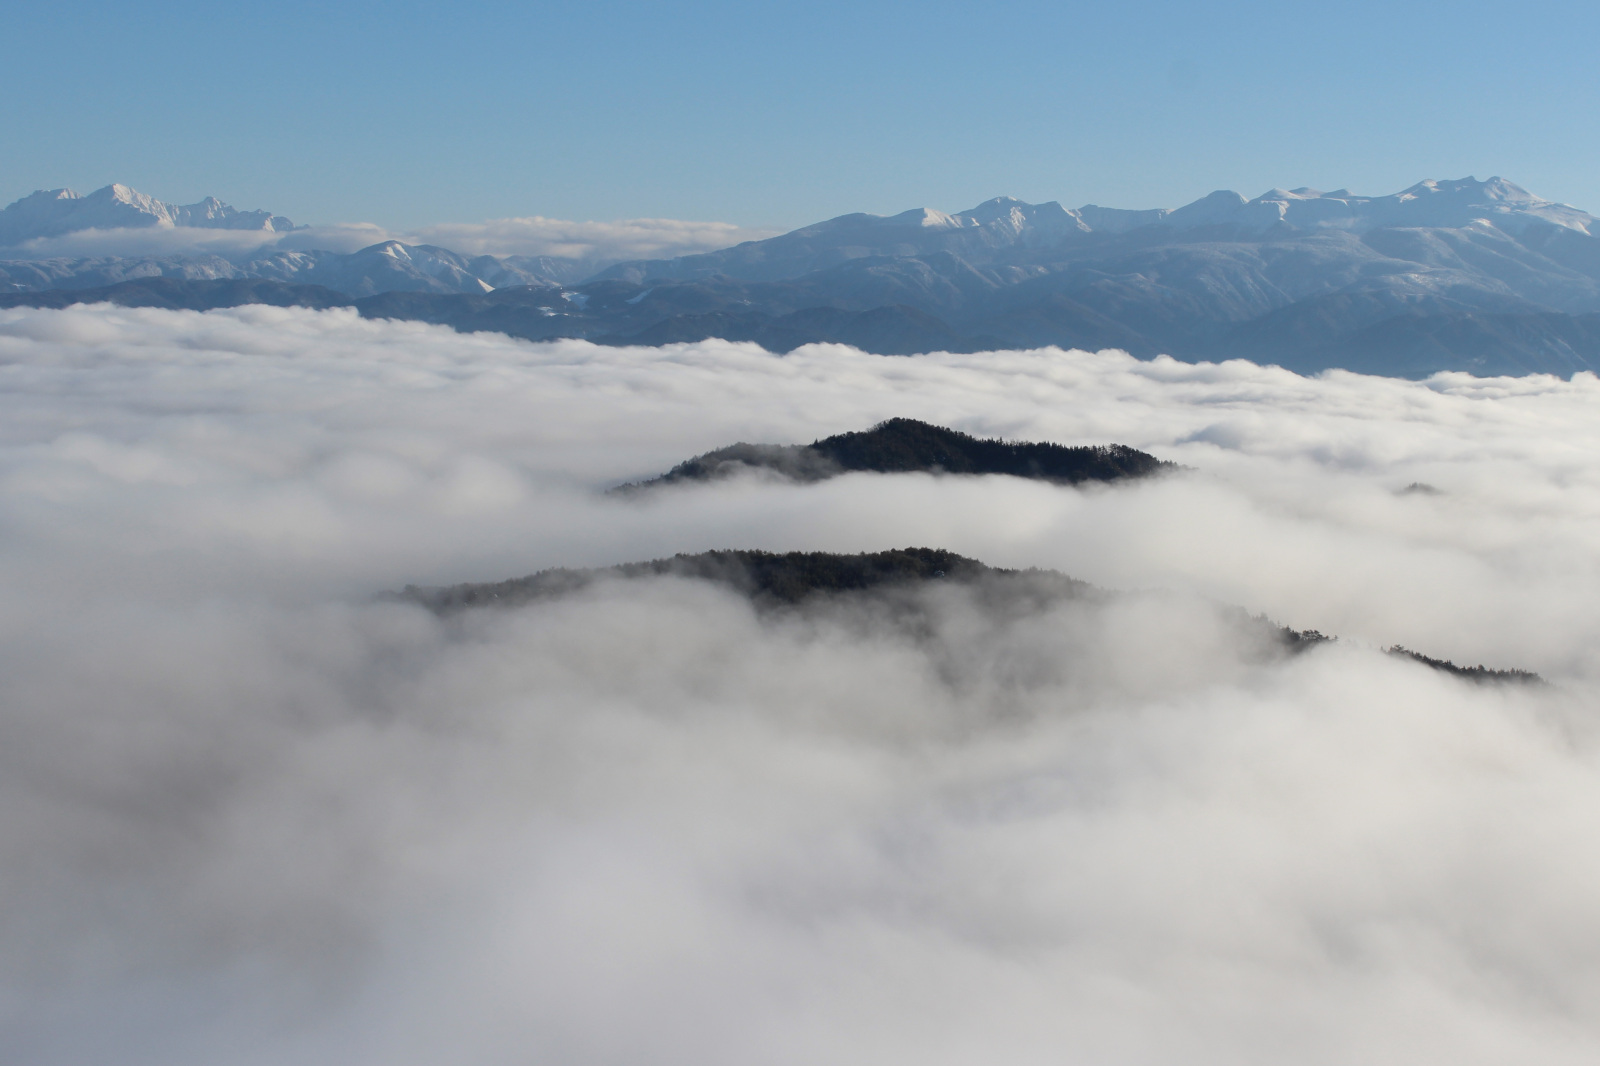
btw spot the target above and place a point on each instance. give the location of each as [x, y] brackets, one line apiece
[904, 445]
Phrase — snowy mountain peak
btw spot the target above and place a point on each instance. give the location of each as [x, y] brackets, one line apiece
[1432, 203]
[999, 207]
[1498, 189]
[1450, 204]
[1301, 193]
[1010, 218]
[925, 218]
[1218, 208]
[56, 212]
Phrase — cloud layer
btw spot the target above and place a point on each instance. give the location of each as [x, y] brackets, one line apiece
[634, 238]
[594, 242]
[251, 815]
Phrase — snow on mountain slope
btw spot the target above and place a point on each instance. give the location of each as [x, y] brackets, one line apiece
[54, 212]
[392, 266]
[1431, 204]
[999, 230]
[1460, 274]
[389, 266]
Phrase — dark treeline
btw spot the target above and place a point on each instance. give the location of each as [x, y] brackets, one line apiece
[788, 580]
[905, 445]
[1480, 673]
[777, 581]
[768, 578]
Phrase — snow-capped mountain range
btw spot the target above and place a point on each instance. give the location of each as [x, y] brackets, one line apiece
[54, 212]
[389, 266]
[1462, 274]
[1448, 204]
[1428, 203]
[1003, 220]
[998, 228]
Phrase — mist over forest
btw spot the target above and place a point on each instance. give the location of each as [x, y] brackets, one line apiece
[255, 808]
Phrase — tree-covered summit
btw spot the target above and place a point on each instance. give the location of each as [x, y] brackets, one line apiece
[905, 445]
[781, 581]
[767, 577]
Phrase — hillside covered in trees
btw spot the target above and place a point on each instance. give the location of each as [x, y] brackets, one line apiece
[794, 580]
[905, 445]
[768, 578]
[1479, 673]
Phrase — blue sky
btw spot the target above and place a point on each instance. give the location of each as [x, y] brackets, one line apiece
[408, 113]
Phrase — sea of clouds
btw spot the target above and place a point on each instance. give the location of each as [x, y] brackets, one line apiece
[594, 243]
[252, 813]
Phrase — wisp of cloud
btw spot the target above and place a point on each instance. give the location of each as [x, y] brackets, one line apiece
[253, 812]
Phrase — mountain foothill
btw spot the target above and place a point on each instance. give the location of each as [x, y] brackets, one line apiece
[1465, 275]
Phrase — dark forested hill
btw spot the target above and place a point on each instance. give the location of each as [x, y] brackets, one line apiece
[903, 445]
[782, 581]
[764, 576]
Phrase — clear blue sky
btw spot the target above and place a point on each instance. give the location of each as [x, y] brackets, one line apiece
[407, 113]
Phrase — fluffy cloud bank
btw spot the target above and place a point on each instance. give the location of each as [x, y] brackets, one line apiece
[598, 243]
[634, 238]
[247, 814]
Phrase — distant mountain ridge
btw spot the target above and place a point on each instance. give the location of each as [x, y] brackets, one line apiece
[55, 212]
[1480, 276]
[998, 229]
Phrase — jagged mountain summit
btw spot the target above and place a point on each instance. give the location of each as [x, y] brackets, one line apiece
[57, 212]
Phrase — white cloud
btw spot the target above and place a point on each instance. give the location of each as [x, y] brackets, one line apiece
[593, 242]
[248, 815]
[634, 238]
[146, 241]
[344, 237]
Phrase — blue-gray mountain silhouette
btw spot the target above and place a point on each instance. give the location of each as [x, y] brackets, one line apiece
[1447, 275]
